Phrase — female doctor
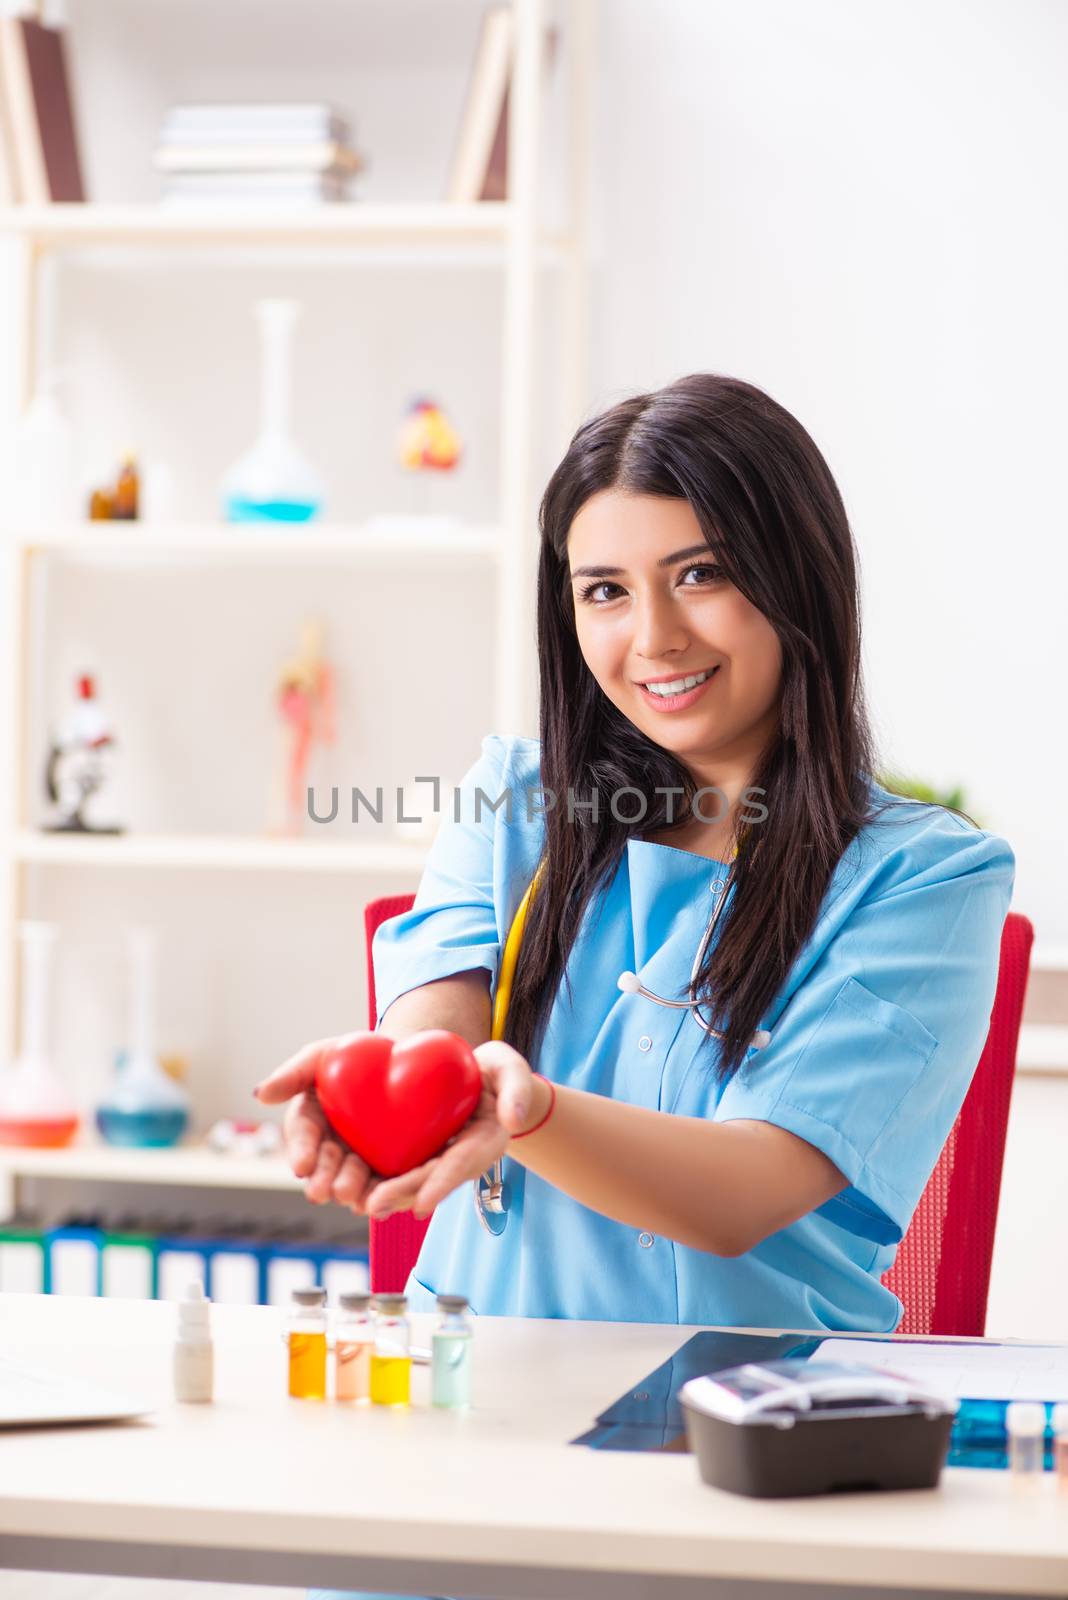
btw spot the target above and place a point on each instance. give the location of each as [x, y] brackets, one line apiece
[703, 811]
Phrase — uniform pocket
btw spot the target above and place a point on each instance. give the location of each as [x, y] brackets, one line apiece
[859, 1064]
[888, 1014]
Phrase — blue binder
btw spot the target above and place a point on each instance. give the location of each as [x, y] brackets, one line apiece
[73, 1259]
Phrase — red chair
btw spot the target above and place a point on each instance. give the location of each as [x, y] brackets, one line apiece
[942, 1269]
[395, 1242]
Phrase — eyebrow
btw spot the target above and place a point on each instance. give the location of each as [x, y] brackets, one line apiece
[665, 561]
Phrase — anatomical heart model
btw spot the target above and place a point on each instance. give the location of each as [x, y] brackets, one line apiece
[427, 441]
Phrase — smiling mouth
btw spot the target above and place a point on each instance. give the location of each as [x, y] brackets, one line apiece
[677, 686]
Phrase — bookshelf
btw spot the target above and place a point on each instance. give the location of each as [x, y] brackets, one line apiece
[184, 1167]
[508, 237]
[175, 543]
[409, 227]
[200, 851]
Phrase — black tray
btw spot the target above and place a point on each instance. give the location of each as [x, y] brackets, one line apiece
[821, 1451]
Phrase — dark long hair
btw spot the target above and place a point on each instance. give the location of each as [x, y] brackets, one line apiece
[765, 498]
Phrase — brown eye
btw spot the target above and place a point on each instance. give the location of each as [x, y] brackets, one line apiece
[587, 593]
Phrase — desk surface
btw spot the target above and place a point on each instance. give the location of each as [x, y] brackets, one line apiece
[258, 1487]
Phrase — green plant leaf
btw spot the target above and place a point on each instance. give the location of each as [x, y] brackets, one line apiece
[917, 789]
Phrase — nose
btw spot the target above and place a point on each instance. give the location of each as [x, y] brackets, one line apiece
[659, 630]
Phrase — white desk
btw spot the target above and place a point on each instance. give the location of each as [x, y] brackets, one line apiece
[259, 1488]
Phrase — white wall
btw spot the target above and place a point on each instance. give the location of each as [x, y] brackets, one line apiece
[1028, 1290]
[857, 207]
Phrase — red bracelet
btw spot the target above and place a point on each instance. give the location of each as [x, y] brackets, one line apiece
[548, 1114]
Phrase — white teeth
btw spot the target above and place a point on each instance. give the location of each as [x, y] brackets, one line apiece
[678, 685]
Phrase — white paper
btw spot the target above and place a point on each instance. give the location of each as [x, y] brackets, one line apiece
[964, 1371]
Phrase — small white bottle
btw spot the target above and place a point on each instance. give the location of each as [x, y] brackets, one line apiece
[1025, 1424]
[194, 1354]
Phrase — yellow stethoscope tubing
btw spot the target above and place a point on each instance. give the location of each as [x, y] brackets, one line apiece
[491, 1201]
[509, 958]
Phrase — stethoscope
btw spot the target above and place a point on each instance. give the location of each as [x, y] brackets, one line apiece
[491, 1195]
[490, 1190]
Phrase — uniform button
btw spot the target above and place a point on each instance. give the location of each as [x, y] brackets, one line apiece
[646, 1240]
[645, 1043]
[717, 886]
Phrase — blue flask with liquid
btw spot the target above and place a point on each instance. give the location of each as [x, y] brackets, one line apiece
[273, 481]
[144, 1106]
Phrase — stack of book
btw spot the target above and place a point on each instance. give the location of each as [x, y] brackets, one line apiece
[263, 154]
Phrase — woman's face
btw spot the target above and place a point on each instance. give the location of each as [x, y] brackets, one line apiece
[655, 606]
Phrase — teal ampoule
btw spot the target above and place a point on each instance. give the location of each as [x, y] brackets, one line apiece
[450, 1361]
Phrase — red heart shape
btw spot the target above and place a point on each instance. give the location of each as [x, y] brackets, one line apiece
[396, 1104]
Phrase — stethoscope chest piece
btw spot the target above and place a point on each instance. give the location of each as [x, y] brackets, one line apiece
[491, 1200]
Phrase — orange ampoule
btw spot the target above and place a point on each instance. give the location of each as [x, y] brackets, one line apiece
[306, 1339]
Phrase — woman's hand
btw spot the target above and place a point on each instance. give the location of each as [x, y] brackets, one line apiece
[505, 1106]
[333, 1171]
[330, 1169]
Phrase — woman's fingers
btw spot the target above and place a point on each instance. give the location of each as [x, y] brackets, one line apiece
[293, 1076]
[321, 1180]
[455, 1168]
[304, 1128]
[397, 1194]
[352, 1182]
[510, 1075]
[473, 1153]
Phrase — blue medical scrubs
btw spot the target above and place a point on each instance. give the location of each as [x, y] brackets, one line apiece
[875, 1035]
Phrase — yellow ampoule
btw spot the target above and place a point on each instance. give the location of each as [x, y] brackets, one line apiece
[391, 1358]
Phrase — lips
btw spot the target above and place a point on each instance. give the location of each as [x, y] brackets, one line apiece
[682, 699]
[676, 677]
[660, 686]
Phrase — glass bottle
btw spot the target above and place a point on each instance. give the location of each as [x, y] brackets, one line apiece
[353, 1342]
[1059, 1422]
[194, 1358]
[450, 1366]
[144, 1106]
[391, 1358]
[1025, 1424]
[306, 1337]
[42, 486]
[273, 482]
[126, 491]
[35, 1108]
